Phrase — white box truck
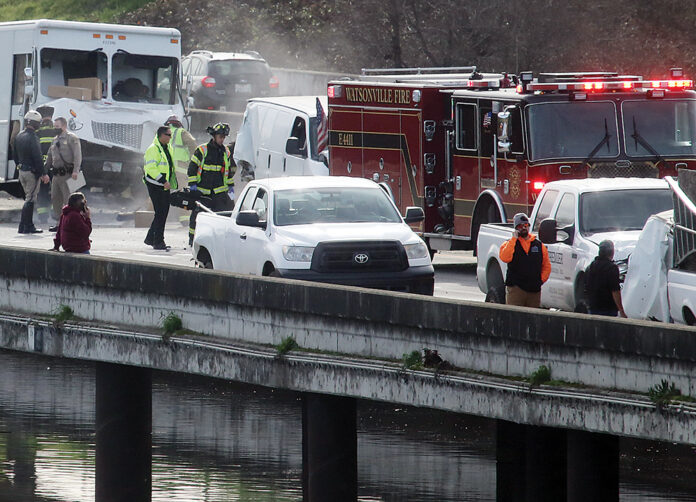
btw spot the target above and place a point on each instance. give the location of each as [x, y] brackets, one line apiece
[114, 83]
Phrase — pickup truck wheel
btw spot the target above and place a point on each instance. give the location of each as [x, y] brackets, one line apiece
[496, 295]
[488, 213]
[204, 260]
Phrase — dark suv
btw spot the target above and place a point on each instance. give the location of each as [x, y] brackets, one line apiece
[226, 80]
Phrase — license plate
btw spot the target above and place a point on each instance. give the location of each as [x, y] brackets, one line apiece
[220, 91]
[242, 88]
[114, 167]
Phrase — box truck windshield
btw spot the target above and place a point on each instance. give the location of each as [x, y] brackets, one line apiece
[144, 78]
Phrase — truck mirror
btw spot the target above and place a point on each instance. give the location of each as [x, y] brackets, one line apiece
[28, 81]
[250, 219]
[547, 231]
[28, 73]
[293, 147]
[504, 131]
[414, 214]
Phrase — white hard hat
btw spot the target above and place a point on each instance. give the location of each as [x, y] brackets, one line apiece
[32, 115]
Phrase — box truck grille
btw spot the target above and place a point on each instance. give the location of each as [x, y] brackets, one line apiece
[129, 135]
[624, 169]
[357, 257]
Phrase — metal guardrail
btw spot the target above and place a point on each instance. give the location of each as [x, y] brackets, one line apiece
[684, 223]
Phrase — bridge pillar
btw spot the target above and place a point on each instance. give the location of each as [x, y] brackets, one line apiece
[531, 463]
[123, 433]
[593, 467]
[329, 448]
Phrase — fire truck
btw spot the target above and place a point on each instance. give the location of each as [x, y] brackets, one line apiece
[473, 148]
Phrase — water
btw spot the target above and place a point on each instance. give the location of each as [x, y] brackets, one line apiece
[216, 441]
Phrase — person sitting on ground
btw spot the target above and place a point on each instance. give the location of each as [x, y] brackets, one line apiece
[74, 227]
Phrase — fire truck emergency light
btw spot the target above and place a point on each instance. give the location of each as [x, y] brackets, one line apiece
[538, 185]
[334, 91]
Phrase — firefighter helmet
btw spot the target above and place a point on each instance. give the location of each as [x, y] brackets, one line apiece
[219, 128]
[32, 116]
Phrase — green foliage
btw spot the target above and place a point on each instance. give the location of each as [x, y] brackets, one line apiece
[171, 323]
[413, 361]
[73, 10]
[287, 345]
[662, 393]
[541, 375]
[63, 313]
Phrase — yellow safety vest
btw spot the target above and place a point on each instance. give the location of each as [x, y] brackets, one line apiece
[156, 164]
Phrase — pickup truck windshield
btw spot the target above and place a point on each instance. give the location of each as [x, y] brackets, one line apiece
[617, 210]
[144, 79]
[667, 127]
[333, 205]
[572, 130]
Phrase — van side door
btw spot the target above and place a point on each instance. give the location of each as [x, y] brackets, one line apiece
[295, 160]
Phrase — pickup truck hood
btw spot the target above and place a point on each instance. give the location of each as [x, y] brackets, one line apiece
[624, 242]
[312, 234]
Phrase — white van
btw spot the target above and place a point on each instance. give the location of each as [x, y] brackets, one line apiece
[278, 137]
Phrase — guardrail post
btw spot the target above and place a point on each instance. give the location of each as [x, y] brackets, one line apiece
[530, 463]
[123, 433]
[329, 448]
[593, 467]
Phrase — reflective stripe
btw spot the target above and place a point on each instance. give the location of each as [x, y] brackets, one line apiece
[220, 189]
[192, 179]
[192, 230]
[151, 161]
[208, 167]
[153, 182]
[204, 191]
[181, 170]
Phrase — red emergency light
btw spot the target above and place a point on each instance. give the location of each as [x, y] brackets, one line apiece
[484, 84]
[537, 186]
[334, 91]
[609, 86]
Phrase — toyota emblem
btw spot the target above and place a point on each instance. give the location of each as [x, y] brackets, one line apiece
[361, 258]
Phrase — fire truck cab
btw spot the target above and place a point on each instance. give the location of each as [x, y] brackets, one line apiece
[474, 148]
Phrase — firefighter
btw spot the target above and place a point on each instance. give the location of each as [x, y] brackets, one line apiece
[46, 132]
[210, 172]
[183, 146]
[159, 178]
[32, 172]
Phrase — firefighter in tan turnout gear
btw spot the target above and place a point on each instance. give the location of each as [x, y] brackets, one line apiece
[210, 172]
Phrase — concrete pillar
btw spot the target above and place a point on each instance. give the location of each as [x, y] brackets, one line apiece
[123, 433]
[530, 463]
[510, 461]
[329, 448]
[545, 459]
[593, 467]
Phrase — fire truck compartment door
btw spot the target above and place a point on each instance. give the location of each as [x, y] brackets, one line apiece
[382, 149]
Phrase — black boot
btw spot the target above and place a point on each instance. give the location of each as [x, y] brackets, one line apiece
[29, 227]
[23, 218]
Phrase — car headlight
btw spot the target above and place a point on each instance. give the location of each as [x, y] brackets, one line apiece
[298, 253]
[415, 251]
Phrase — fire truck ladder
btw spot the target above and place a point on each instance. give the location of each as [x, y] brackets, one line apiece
[684, 224]
[418, 71]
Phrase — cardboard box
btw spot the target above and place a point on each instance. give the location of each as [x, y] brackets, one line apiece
[62, 91]
[94, 84]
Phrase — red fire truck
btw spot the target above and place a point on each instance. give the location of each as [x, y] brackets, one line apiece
[475, 148]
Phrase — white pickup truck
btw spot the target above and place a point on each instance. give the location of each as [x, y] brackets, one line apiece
[341, 230]
[579, 215]
[661, 279]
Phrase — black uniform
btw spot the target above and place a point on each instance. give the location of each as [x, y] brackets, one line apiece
[27, 156]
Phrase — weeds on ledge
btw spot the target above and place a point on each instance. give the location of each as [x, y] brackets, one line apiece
[171, 323]
[287, 345]
[662, 393]
[61, 314]
[541, 375]
[412, 361]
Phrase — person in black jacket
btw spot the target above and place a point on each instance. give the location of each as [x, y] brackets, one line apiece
[602, 284]
[32, 172]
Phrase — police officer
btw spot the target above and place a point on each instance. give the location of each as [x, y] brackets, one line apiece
[27, 155]
[46, 132]
[183, 146]
[159, 178]
[528, 265]
[210, 172]
[64, 160]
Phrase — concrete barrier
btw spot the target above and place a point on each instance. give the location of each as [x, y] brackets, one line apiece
[500, 340]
